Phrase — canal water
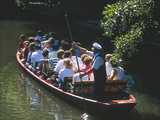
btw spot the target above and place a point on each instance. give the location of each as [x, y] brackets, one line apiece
[21, 98]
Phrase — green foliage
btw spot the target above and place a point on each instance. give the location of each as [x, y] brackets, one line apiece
[126, 44]
[124, 23]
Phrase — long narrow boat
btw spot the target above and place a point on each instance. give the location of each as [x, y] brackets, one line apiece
[90, 105]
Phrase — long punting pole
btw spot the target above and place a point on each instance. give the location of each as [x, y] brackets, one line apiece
[84, 116]
[68, 26]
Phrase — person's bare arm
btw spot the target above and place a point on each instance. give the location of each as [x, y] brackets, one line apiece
[113, 73]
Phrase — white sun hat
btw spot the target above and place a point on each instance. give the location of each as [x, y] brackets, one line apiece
[97, 46]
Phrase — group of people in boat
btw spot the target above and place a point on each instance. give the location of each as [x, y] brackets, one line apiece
[47, 56]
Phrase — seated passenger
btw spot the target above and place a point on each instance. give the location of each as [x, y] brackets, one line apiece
[45, 37]
[31, 39]
[25, 50]
[83, 56]
[87, 65]
[48, 44]
[65, 45]
[36, 57]
[53, 60]
[108, 64]
[37, 43]
[22, 38]
[117, 73]
[45, 65]
[77, 62]
[60, 54]
[31, 50]
[39, 36]
[67, 71]
[51, 34]
[60, 65]
[56, 43]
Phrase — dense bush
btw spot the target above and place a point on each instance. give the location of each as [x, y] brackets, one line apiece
[124, 23]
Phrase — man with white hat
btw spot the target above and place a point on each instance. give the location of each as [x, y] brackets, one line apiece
[98, 67]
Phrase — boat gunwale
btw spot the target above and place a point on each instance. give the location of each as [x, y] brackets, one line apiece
[131, 101]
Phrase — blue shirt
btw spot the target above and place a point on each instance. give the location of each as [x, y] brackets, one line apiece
[39, 38]
[98, 61]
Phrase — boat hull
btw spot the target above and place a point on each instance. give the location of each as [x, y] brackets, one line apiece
[88, 105]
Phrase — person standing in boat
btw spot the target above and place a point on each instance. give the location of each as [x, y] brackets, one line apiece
[99, 71]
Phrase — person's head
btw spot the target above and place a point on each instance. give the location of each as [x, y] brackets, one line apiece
[32, 46]
[52, 34]
[26, 43]
[108, 57]
[87, 60]
[60, 54]
[22, 37]
[37, 47]
[49, 42]
[96, 47]
[65, 45]
[45, 52]
[83, 56]
[39, 32]
[31, 39]
[37, 42]
[67, 54]
[73, 51]
[67, 63]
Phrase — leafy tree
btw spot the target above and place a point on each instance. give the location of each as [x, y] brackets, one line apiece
[125, 23]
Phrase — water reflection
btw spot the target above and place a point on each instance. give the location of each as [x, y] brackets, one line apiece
[148, 108]
[41, 100]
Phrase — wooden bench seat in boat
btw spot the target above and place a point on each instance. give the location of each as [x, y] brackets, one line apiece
[112, 86]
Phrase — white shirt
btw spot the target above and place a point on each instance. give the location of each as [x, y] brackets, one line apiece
[109, 68]
[75, 64]
[90, 53]
[76, 77]
[65, 72]
[59, 66]
[36, 57]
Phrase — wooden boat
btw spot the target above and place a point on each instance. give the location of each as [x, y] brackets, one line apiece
[90, 105]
